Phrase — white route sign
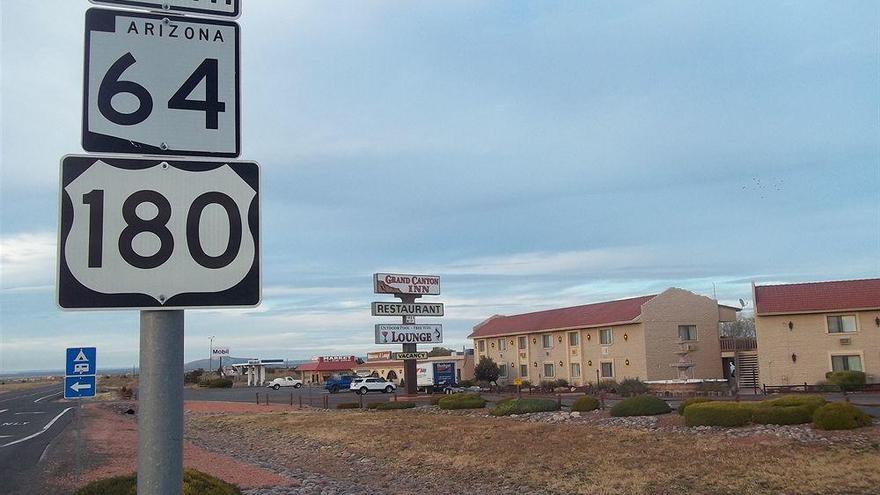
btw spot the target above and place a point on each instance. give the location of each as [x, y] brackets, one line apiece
[409, 334]
[407, 309]
[155, 233]
[160, 85]
[225, 8]
[396, 283]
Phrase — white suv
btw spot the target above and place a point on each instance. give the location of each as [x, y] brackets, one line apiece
[370, 384]
[284, 382]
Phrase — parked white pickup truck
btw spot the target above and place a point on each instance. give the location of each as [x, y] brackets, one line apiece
[284, 382]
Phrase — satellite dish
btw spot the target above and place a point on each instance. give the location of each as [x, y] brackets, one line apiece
[742, 303]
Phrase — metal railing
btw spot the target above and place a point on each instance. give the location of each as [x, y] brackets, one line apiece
[739, 343]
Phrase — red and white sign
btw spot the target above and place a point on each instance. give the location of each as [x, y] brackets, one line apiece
[334, 359]
[378, 356]
[396, 283]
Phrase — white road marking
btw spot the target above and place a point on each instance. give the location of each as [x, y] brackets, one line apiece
[43, 455]
[31, 412]
[21, 396]
[3, 411]
[44, 430]
[46, 397]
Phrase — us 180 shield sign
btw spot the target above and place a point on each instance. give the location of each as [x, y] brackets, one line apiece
[158, 234]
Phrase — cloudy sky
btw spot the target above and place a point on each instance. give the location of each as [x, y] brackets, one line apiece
[532, 154]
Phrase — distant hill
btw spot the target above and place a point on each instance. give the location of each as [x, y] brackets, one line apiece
[227, 360]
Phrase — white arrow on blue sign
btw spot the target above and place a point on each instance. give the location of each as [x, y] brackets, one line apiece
[79, 386]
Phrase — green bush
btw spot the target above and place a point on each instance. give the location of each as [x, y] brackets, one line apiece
[781, 415]
[436, 399]
[374, 405]
[826, 386]
[847, 380]
[840, 416]
[811, 402]
[632, 386]
[194, 376]
[607, 386]
[640, 405]
[216, 383]
[717, 414]
[523, 406]
[462, 401]
[387, 406]
[692, 400]
[562, 382]
[194, 483]
[585, 403]
[466, 383]
[348, 405]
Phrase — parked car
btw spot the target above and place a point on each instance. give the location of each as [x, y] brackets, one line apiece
[372, 384]
[284, 382]
[338, 382]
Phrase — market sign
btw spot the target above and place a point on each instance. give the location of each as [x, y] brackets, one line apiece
[409, 334]
[407, 309]
[395, 283]
[401, 356]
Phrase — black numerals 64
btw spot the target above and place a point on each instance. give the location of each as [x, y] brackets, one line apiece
[111, 86]
[158, 226]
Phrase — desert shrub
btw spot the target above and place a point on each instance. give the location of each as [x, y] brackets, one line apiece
[547, 385]
[216, 383]
[436, 399]
[562, 382]
[462, 401]
[125, 393]
[526, 384]
[374, 405]
[466, 383]
[523, 406]
[847, 380]
[193, 376]
[632, 386]
[348, 405]
[826, 386]
[194, 483]
[387, 406]
[640, 405]
[811, 402]
[585, 403]
[607, 386]
[693, 400]
[840, 416]
[717, 414]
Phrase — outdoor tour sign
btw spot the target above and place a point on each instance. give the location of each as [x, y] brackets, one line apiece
[160, 85]
[409, 334]
[224, 8]
[394, 283]
[407, 309]
[151, 233]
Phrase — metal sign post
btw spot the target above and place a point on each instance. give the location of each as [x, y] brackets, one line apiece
[160, 404]
[410, 373]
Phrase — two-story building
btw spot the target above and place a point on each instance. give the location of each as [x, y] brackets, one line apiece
[805, 330]
[628, 338]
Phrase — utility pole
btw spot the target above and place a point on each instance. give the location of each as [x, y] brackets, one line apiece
[211, 356]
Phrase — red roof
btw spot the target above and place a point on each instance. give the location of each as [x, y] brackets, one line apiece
[818, 296]
[603, 313]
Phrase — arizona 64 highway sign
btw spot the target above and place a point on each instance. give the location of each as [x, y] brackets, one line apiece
[154, 233]
[160, 84]
[225, 8]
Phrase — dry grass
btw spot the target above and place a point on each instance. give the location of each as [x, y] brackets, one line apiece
[583, 459]
[11, 386]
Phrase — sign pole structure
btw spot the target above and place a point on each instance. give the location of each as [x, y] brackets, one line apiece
[160, 405]
[410, 373]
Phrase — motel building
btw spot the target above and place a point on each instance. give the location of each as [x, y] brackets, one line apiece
[805, 330]
[628, 338]
[380, 364]
[323, 367]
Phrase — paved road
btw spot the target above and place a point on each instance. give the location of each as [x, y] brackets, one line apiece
[29, 421]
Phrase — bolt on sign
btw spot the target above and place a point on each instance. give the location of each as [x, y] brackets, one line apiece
[161, 85]
[395, 283]
[156, 233]
[223, 8]
[409, 334]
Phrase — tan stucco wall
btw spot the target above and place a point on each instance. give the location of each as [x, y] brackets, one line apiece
[810, 341]
[662, 316]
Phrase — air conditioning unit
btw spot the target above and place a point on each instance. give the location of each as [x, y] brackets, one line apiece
[845, 341]
[691, 347]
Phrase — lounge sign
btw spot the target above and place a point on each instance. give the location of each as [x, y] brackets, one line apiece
[409, 334]
[396, 283]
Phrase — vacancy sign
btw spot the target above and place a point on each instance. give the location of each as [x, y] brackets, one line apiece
[395, 283]
[225, 8]
[151, 233]
[409, 334]
[160, 85]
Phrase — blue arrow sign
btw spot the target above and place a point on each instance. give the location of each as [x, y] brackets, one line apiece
[81, 361]
[76, 387]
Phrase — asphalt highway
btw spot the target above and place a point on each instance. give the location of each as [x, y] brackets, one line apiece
[29, 421]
